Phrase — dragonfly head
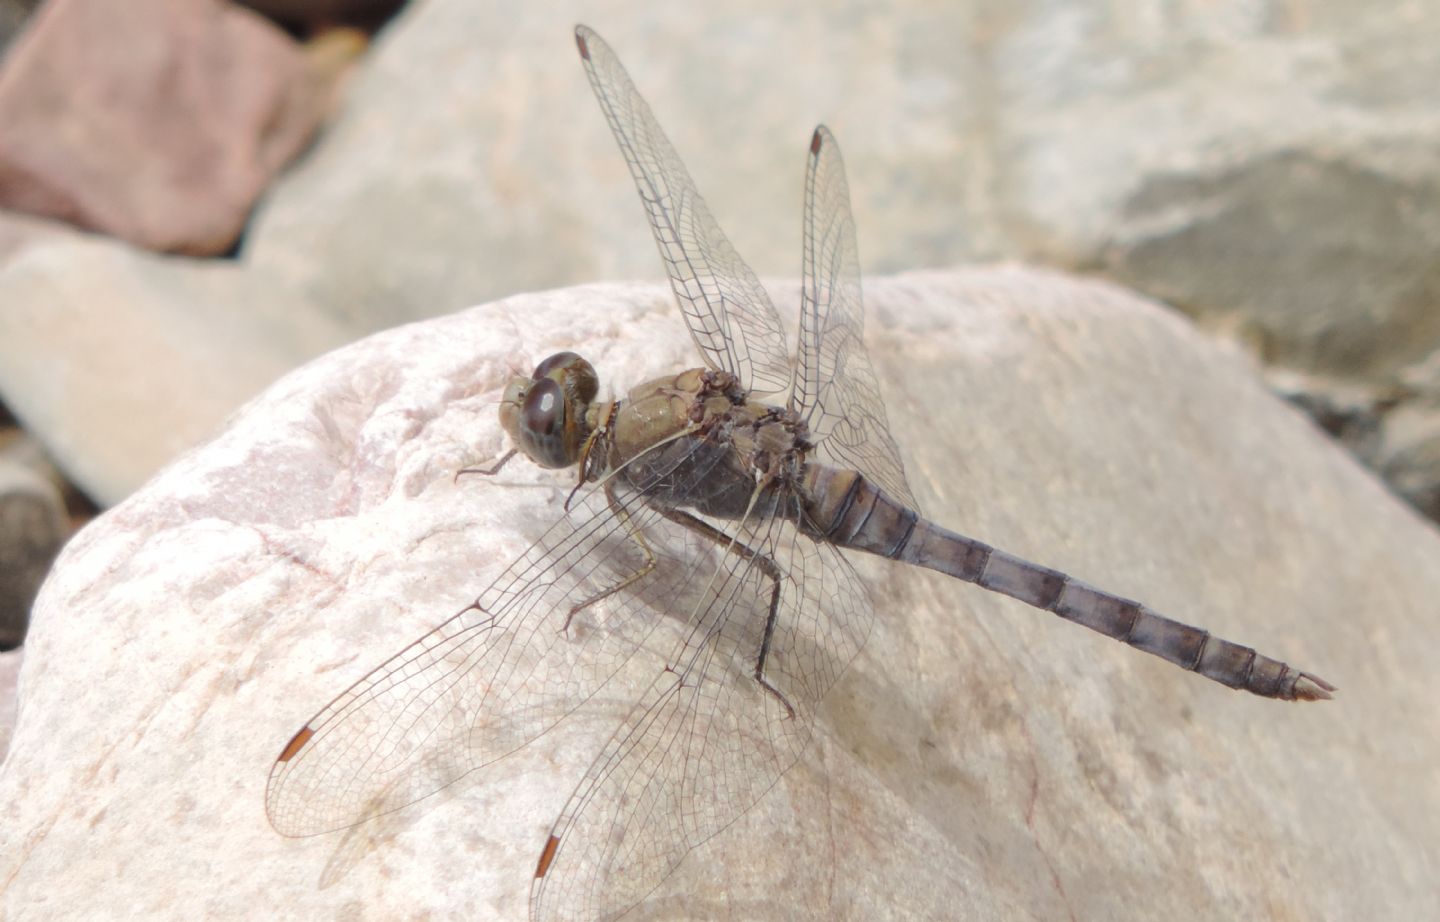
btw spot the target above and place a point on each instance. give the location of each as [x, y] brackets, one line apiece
[544, 414]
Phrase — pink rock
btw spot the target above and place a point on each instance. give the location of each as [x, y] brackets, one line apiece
[157, 121]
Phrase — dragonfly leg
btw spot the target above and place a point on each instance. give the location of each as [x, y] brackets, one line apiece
[619, 512]
[600, 433]
[767, 566]
[487, 471]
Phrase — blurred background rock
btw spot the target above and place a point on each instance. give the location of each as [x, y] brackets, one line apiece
[201, 195]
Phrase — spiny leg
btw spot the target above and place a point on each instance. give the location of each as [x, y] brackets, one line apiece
[619, 512]
[616, 508]
[600, 433]
[767, 566]
[488, 471]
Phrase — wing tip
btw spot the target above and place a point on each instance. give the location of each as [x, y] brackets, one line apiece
[582, 40]
[297, 742]
[546, 856]
[822, 137]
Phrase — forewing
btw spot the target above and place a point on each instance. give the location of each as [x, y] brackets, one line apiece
[836, 390]
[731, 318]
[707, 740]
[493, 677]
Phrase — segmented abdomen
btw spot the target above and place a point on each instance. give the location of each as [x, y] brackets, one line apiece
[842, 507]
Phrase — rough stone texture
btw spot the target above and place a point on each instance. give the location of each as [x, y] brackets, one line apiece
[979, 760]
[119, 360]
[156, 121]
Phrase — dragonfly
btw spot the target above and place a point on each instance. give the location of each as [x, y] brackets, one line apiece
[710, 512]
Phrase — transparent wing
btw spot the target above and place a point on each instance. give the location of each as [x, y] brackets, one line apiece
[498, 674]
[707, 740]
[836, 390]
[731, 318]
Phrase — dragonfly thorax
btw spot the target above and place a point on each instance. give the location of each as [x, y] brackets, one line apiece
[546, 414]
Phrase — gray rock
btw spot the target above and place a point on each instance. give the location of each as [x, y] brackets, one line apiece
[18, 448]
[1236, 159]
[1409, 455]
[977, 760]
[1246, 161]
[33, 526]
[472, 162]
[13, 14]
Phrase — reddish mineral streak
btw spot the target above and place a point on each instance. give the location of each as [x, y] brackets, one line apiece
[297, 742]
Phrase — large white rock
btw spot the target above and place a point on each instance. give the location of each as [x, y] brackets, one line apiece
[979, 760]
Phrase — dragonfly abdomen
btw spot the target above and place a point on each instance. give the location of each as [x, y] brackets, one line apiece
[846, 509]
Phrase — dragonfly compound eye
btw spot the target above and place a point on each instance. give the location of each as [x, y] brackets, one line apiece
[573, 373]
[543, 425]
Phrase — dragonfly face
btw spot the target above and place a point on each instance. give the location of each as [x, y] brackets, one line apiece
[545, 414]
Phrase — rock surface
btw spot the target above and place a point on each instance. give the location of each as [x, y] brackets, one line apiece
[116, 117]
[33, 526]
[13, 14]
[120, 360]
[1266, 167]
[979, 760]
